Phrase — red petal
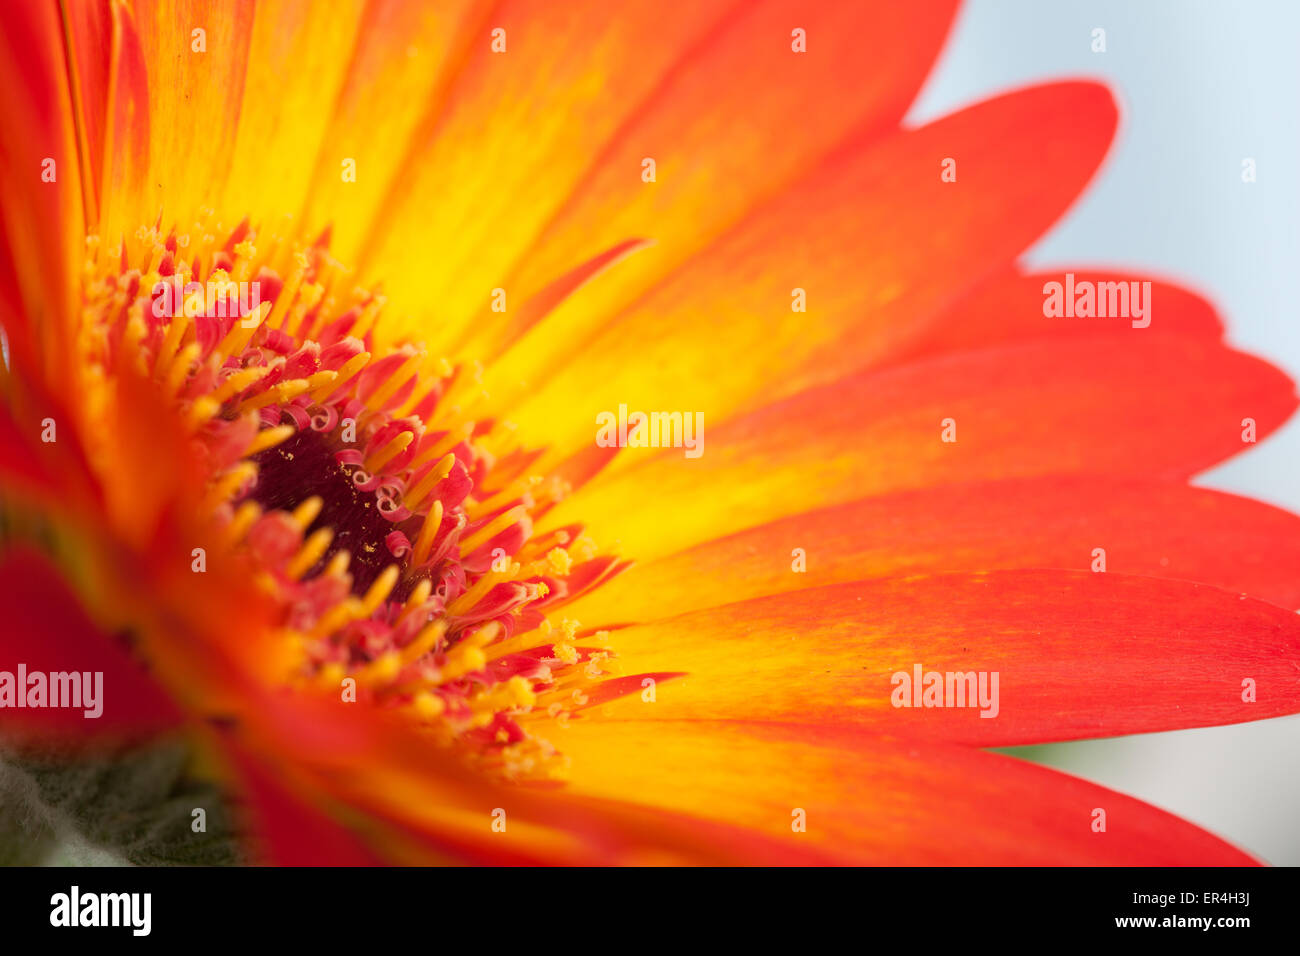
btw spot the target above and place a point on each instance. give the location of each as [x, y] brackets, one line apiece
[46, 630]
[44, 221]
[289, 830]
[1008, 308]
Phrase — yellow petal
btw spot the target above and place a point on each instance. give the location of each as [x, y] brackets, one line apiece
[298, 58]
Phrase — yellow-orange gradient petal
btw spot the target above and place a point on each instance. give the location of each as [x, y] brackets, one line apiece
[719, 149]
[195, 97]
[298, 56]
[377, 784]
[1077, 654]
[877, 801]
[1164, 407]
[517, 130]
[1141, 527]
[874, 239]
[406, 57]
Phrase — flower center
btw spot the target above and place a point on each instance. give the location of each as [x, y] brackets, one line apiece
[395, 530]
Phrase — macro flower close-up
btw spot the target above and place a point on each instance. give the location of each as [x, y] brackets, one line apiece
[595, 432]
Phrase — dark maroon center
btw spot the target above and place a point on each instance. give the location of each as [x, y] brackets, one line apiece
[304, 465]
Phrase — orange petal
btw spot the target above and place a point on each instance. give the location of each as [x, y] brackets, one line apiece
[46, 632]
[873, 237]
[88, 35]
[125, 163]
[1008, 308]
[1165, 407]
[406, 802]
[1150, 528]
[719, 150]
[875, 801]
[1078, 654]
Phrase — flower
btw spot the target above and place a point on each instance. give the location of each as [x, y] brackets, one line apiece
[309, 317]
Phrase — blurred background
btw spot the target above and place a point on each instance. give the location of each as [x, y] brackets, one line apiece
[1202, 84]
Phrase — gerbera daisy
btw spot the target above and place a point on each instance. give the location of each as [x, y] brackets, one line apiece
[312, 317]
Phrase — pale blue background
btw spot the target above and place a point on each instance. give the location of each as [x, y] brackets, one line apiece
[1202, 84]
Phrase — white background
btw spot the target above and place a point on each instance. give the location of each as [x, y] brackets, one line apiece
[1202, 84]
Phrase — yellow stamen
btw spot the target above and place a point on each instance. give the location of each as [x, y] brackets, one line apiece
[309, 296]
[237, 382]
[240, 333]
[338, 565]
[306, 512]
[559, 561]
[275, 395]
[428, 705]
[425, 484]
[419, 594]
[514, 490]
[517, 644]
[467, 656]
[369, 312]
[331, 675]
[202, 411]
[229, 483]
[245, 517]
[312, 550]
[172, 341]
[350, 368]
[280, 313]
[380, 590]
[428, 531]
[399, 443]
[466, 661]
[382, 670]
[493, 528]
[514, 693]
[180, 369]
[336, 617]
[424, 642]
[481, 587]
[269, 438]
[380, 395]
